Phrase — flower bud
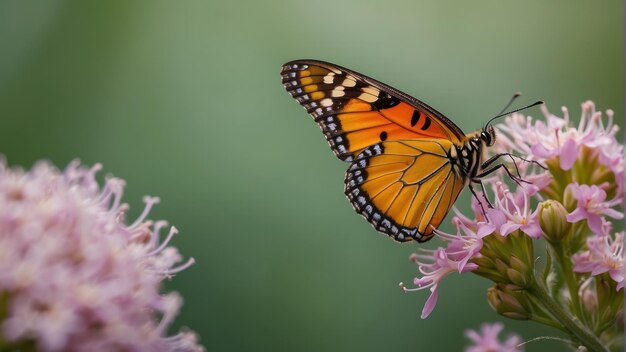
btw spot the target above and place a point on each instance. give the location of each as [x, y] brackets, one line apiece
[519, 273]
[516, 277]
[569, 200]
[488, 268]
[508, 301]
[553, 222]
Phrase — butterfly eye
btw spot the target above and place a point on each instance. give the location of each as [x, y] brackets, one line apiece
[484, 135]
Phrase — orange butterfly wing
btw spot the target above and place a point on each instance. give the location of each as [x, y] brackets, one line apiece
[404, 188]
[401, 178]
[355, 111]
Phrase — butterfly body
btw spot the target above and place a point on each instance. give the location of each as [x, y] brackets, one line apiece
[408, 161]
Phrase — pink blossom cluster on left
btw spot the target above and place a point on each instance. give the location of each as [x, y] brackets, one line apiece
[74, 276]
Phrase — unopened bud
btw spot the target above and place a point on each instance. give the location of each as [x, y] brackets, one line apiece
[508, 301]
[553, 221]
[519, 273]
[569, 200]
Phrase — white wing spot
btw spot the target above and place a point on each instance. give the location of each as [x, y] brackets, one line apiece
[349, 82]
[329, 78]
[336, 93]
[326, 102]
[370, 90]
[368, 98]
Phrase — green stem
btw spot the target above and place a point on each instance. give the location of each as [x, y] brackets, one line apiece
[572, 324]
[570, 278]
[545, 321]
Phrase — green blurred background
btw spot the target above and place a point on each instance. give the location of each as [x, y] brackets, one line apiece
[184, 101]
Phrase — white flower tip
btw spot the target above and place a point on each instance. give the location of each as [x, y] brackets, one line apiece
[96, 167]
[588, 105]
[596, 117]
[115, 184]
[151, 199]
[403, 288]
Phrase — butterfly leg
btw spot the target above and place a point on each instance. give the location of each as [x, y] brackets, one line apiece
[494, 158]
[482, 187]
[478, 199]
[491, 169]
[525, 160]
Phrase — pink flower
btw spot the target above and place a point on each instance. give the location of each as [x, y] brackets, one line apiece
[75, 275]
[434, 266]
[477, 211]
[605, 254]
[512, 211]
[462, 248]
[487, 340]
[592, 205]
[557, 138]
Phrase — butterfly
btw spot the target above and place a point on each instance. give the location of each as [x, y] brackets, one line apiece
[408, 162]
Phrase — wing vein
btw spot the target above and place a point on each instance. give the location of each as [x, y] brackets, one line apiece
[431, 199]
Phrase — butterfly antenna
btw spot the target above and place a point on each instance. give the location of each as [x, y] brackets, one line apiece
[515, 96]
[516, 110]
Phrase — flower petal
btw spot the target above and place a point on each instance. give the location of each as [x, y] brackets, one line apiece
[569, 154]
[431, 302]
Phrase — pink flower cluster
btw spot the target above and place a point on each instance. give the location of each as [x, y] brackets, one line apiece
[556, 138]
[73, 275]
[605, 254]
[511, 212]
[588, 156]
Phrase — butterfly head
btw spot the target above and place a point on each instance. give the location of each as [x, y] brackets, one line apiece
[488, 135]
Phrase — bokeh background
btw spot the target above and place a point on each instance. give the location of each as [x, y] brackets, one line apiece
[183, 100]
